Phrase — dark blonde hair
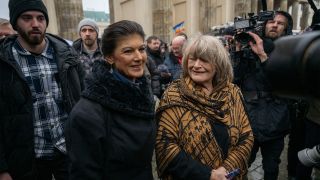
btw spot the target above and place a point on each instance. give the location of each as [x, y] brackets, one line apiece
[210, 49]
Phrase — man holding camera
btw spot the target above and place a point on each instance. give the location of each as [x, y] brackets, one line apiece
[269, 115]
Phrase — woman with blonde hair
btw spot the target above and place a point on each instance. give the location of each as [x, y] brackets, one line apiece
[203, 128]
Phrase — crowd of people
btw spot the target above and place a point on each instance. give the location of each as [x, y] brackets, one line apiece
[101, 107]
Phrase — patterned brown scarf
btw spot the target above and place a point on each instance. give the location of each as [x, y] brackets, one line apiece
[188, 120]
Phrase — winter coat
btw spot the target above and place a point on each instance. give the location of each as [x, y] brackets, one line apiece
[154, 77]
[197, 133]
[173, 65]
[84, 57]
[16, 104]
[268, 114]
[111, 132]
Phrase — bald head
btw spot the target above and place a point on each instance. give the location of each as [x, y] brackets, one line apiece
[177, 44]
[5, 28]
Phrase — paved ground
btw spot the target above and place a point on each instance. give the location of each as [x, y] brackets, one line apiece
[256, 171]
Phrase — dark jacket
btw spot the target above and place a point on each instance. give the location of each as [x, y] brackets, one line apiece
[111, 132]
[16, 104]
[154, 77]
[268, 114]
[155, 56]
[173, 65]
[84, 57]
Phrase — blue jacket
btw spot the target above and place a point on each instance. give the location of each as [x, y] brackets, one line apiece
[173, 65]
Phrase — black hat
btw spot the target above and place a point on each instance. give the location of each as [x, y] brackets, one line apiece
[17, 7]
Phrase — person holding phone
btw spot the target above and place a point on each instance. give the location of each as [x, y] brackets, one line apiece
[203, 128]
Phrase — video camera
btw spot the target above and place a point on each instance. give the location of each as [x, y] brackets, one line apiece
[294, 67]
[254, 23]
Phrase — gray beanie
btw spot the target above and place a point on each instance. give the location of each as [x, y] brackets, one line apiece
[88, 22]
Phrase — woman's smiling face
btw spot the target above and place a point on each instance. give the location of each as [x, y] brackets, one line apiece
[129, 56]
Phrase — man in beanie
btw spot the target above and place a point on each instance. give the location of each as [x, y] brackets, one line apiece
[268, 113]
[40, 81]
[88, 45]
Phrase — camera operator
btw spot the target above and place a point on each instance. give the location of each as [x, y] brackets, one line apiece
[269, 115]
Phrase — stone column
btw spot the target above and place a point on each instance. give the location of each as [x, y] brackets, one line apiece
[53, 24]
[162, 19]
[111, 11]
[270, 5]
[69, 14]
[295, 14]
[254, 6]
[305, 15]
[284, 5]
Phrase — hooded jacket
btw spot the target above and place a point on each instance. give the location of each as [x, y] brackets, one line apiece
[16, 104]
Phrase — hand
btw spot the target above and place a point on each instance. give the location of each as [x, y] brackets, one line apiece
[219, 174]
[257, 47]
[5, 176]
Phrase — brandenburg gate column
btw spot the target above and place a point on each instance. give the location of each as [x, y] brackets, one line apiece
[295, 14]
[270, 5]
[284, 5]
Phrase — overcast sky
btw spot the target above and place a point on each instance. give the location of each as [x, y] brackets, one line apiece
[97, 5]
[4, 10]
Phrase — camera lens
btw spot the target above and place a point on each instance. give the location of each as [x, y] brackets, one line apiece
[243, 38]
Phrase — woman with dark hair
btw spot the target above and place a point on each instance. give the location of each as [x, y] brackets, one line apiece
[203, 131]
[111, 131]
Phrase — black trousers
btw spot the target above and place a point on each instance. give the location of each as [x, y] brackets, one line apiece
[56, 167]
[271, 152]
[296, 140]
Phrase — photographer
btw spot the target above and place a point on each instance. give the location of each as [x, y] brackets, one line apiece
[269, 115]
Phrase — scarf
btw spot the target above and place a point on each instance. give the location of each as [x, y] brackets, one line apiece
[214, 130]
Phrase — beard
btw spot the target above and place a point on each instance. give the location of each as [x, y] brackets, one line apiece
[31, 39]
[89, 42]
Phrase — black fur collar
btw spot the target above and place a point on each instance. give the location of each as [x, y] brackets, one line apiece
[103, 88]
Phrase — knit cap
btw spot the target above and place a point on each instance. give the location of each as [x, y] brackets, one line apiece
[88, 22]
[17, 7]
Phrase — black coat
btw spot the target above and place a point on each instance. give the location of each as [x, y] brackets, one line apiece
[111, 132]
[16, 105]
[268, 114]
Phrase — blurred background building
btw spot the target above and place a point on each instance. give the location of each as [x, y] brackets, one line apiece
[100, 17]
[65, 16]
[158, 17]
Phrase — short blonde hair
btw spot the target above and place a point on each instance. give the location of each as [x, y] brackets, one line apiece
[210, 49]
